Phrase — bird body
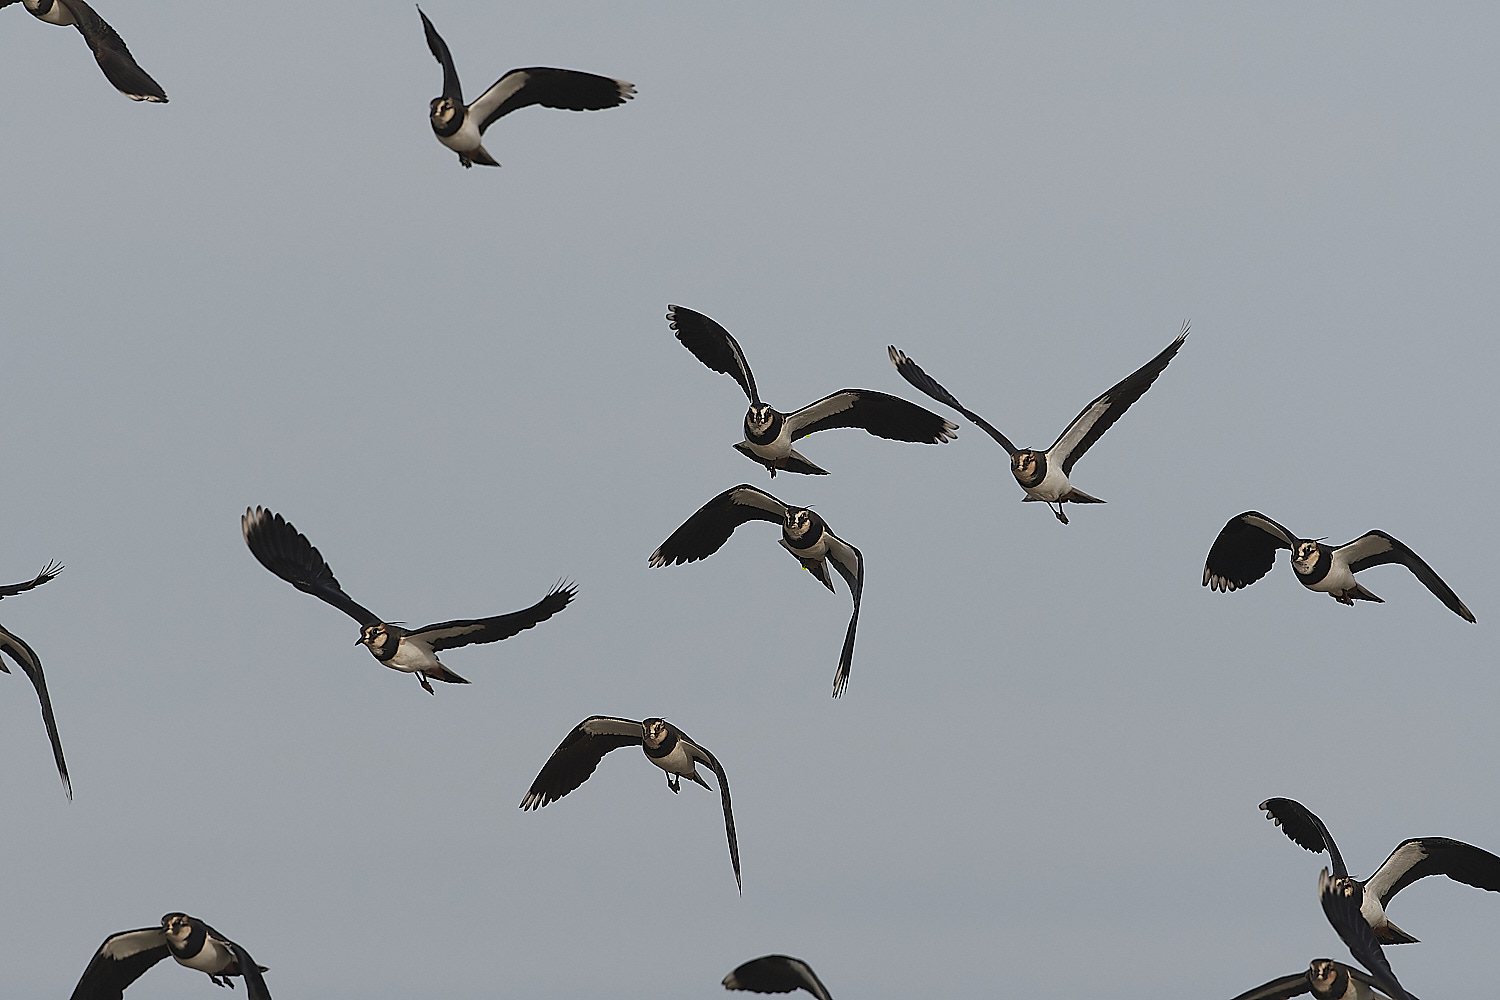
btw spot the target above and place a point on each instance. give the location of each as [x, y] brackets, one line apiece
[1043, 475]
[126, 956]
[1325, 979]
[1340, 899]
[776, 974]
[769, 432]
[461, 126]
[1245, 551]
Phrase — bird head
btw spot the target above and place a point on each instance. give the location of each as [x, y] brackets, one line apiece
[1029, 467]
[655, 732]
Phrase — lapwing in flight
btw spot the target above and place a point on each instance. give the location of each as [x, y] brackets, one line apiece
[1411, 860]
[803, 533]
[124, 957]
[1325, 979]
[15, 647]
[776, 974]
[285, 551]
[769, 433]
[1044, 474]
[666, 746]
[461, 126]
[108, 47]
[1246, 548]
[1341, 905]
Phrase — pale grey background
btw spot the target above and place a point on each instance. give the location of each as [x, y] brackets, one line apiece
[1042, 781]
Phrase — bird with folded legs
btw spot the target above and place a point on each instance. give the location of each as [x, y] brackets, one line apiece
[461, 126]
[769, 432]
[664, 745]
[16, 648]
[804, 534]
[126, 956]
[1246, 548]
[285, 551]
[1043, 475]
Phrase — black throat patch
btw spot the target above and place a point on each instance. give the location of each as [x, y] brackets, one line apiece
[771, 433]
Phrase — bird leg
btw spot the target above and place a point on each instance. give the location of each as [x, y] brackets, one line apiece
[423, 678]
[1059, 512]
[672, 782]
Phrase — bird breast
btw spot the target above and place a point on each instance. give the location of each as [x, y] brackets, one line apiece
[51, 11]
[211, 958]
[412, 655]
[678, 761]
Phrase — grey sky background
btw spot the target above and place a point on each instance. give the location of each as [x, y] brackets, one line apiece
[1042, 781]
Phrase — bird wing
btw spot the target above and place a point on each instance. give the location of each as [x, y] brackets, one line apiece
[579, 754]
[255, 983]
[113, 57]
[566, 89]
[1278, 989]
[1303, 827]
[703, 534]
[48, 572]
[701, 755]
[908, 369]
[1424, 856]
[31, 664]
[1245, 551]
[447, 635]
[1341, 903]
[285, 551]
[121, 960]
[851, 566]
[712, 345]
[439, 48]
[1375, 548]
[1101, 414]
[1369, 980]
[876, 412]
[776, 974]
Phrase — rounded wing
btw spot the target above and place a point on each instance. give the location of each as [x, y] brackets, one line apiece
[439, 50]
[1304, 828]
[777, 974]
[1375, 548]
[1245, 551]
[579, 754]
[121, 960]
[13, 646]
[877, 413]
[1424, 856]
[909, 370]
[113, 57]
[565, 89]
[1100, 415]
[703, 534]
[447, 635]
[1279, 989]
[712, 345]
[48, 572]
[285, 551]
[1341, 904]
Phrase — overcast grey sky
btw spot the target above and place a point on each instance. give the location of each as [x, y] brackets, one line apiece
[1042, 781]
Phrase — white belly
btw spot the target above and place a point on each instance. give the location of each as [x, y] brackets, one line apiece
[776, 450]
[412, 656]
[211, 958]
[1053, 487]
[676, 762]
[466, 139]
[1337, 580]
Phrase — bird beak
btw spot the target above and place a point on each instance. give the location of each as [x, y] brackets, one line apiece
[359, 641]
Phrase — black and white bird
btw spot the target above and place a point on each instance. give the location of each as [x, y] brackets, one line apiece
[803, 533]
[1044, 474]
[124, 957]
[108, 47]
[1341, 905]
[1246, 548]
[1411, 860]
[1325, 979]
[666, 746]
[15, 647]
[769, 433]
[285, 551]
[776, 974]
[461, 126]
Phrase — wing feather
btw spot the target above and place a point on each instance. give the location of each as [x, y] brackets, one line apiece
[448, 635]
[1245, 551]
[564, 89]
[121, 960]
[1376, 548]
[909, 370]
[113, 56]
[48, 572]
[285, 551]
[31, 665]
[701, 754]
[1100, 415]
[1303, 828]
[1420, 857]
[776, 974]
[439, 49]
[851, 566]
[578, 755]
[878, 413]
[1341, 905]
[703, 534]
[1279, 989]
[713, 345]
